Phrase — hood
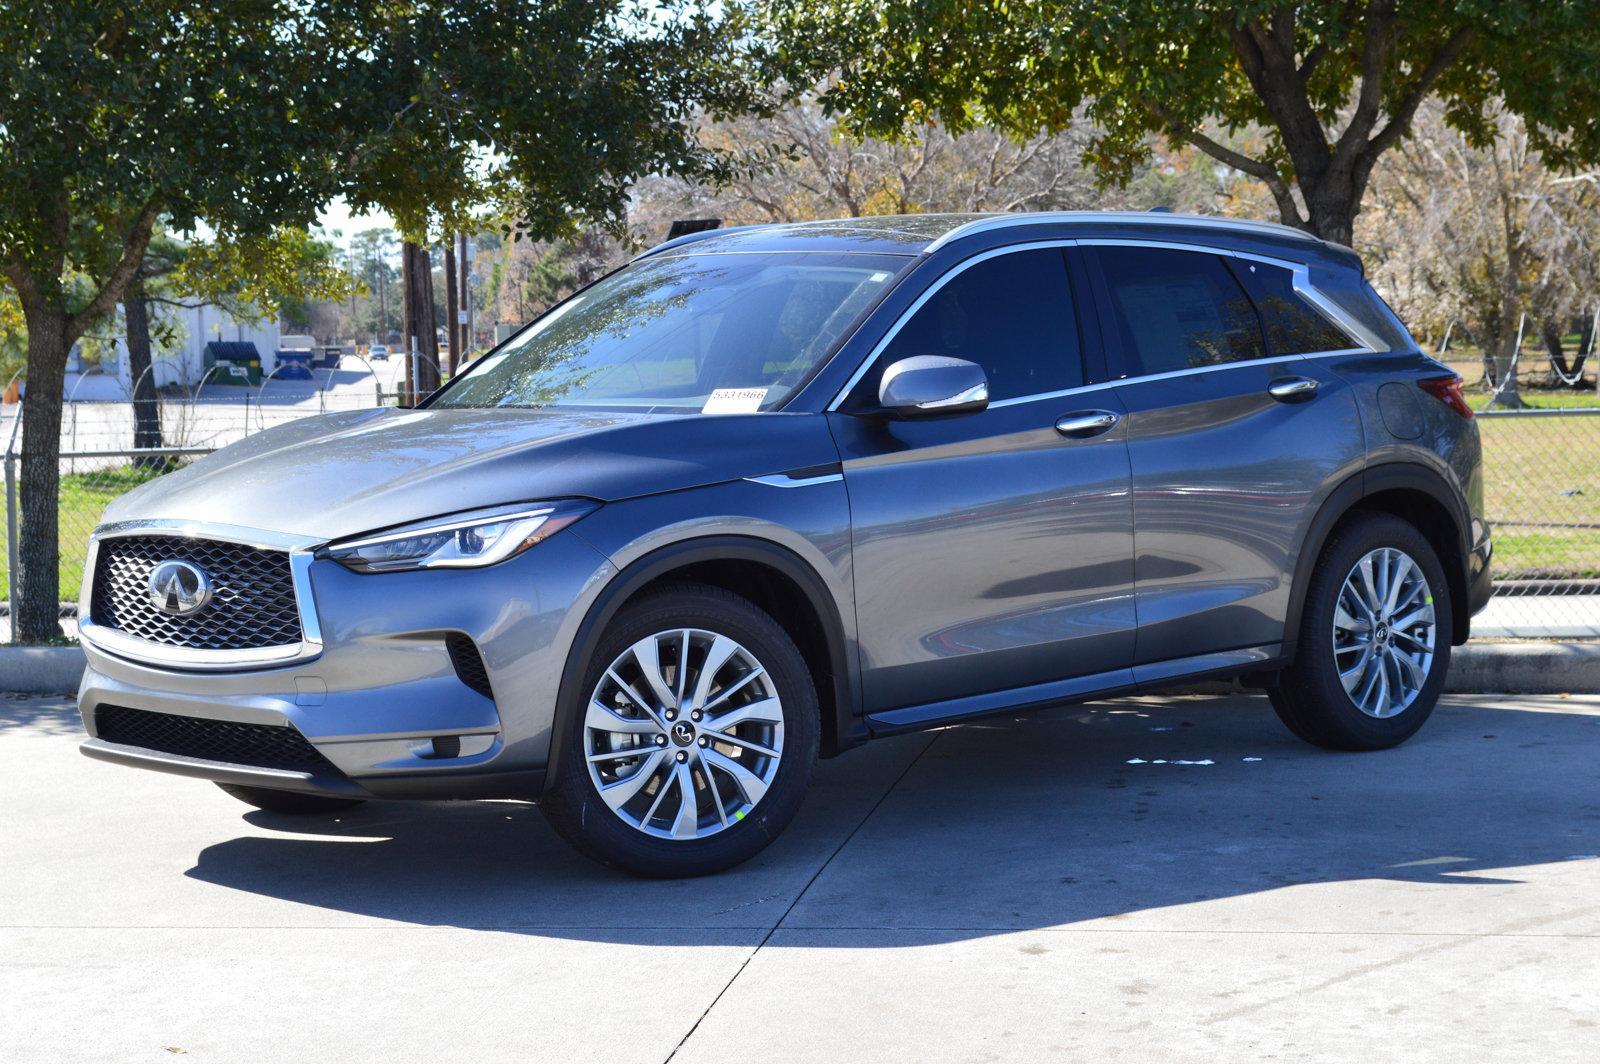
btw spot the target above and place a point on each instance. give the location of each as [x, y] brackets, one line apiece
[341, 474]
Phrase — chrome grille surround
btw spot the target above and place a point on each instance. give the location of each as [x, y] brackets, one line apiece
[268, 615]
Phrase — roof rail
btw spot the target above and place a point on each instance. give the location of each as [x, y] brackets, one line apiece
[1004, 221]
[690, 238]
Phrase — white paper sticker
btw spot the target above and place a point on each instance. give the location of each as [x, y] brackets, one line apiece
[734, 401]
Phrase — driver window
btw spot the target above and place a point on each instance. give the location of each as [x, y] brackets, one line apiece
[1011, 314]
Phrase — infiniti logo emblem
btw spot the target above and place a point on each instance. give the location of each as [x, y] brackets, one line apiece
[179, 588]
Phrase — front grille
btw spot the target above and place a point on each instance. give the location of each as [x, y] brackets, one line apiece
[468, 663]
[252, 605]
[256, 745]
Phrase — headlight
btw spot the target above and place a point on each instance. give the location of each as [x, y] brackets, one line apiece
[463, 541]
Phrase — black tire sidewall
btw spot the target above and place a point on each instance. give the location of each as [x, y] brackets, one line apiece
[575, 808]
[1312, 701]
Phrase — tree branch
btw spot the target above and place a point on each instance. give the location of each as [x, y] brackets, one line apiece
[1369, 98]
[111, 291]
[1257, 168]
[1400, 118]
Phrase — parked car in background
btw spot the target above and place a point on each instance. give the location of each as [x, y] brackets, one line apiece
[768, 493]
[378, 352]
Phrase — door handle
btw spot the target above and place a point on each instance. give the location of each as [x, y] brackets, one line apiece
[1086, 424]
[1292, 389]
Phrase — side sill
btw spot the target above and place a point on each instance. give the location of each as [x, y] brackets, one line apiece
[1079, 689]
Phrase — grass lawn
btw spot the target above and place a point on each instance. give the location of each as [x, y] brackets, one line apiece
[1541, 480]
[83, 499]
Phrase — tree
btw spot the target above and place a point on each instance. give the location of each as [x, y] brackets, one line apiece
[1332, 84]
[1483, 236]
[250, 115]
[117, 116]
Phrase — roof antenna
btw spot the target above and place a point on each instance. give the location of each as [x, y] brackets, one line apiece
[1160, 210]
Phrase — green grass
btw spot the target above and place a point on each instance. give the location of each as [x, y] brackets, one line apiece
[1478, 399]
[1532, 467]
[84, 497]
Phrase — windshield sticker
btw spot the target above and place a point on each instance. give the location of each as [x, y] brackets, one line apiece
[734, 401]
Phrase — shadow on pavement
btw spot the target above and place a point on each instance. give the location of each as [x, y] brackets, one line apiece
[1013, 823]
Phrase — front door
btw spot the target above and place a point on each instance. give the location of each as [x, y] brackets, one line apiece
[992, 550]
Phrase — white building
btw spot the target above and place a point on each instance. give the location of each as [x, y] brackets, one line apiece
[199, 326]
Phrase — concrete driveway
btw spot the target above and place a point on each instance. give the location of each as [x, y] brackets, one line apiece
[1015, 890]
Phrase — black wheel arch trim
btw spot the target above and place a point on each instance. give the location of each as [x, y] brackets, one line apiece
[1348, 495]
[848, 725]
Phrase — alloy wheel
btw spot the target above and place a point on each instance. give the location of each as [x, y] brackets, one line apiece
[1383, 632]
[683, 734]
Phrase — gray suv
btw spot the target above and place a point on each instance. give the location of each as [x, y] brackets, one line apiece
[766, 493]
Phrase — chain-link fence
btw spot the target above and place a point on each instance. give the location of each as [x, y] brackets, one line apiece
[111, 444]
[1541, 470]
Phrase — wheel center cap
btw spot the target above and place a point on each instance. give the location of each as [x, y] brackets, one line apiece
[1383, 633]
[683, 733]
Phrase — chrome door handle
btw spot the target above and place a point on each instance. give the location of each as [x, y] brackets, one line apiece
[1292, 389]
[1087, 424]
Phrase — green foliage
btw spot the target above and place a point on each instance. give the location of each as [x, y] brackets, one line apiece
[1333, 83]
[255, 277]
[543, 112]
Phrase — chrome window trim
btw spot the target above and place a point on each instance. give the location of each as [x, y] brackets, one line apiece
[1008, 221]
[1301, 280]
[300, 550]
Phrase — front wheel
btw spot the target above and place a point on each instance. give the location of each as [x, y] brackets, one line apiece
[695, 741]
[1374, 642]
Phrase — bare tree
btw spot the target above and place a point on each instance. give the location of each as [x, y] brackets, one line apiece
[1483, 236]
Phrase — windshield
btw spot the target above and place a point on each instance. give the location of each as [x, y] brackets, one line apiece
[683, 334]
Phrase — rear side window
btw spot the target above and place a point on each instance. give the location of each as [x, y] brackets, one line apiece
[1011, 314]
[1356, 298]
[1293, 326]
[1175, 310]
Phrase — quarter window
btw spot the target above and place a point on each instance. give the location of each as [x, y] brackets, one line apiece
[1011, 314]
[1293, 326]
[1175, 310]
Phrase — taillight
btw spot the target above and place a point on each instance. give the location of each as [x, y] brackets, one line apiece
[1447, 390]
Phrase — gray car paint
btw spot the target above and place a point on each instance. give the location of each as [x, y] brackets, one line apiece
[974, 564]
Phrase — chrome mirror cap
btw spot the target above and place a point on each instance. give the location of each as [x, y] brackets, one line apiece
[933, 386]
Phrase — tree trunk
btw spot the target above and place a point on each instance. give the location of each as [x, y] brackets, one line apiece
[450, 298]
[424, 322]
[1560, 371]
[146, 401]
[37, 588]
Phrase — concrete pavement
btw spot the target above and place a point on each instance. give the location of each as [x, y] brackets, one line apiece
[1011, 890]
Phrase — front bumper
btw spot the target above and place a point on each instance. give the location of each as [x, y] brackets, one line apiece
[382, 701]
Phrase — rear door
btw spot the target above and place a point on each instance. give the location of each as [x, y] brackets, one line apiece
[1234, 437]
[992, 551]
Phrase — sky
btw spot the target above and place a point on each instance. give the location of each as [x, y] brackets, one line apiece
[337, 218]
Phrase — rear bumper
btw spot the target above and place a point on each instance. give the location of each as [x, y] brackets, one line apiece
[1480, 582]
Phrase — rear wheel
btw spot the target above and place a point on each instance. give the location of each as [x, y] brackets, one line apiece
[292, 803]
[696, 740]
[1374, 642]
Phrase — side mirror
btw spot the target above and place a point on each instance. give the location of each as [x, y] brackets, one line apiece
[933, 386]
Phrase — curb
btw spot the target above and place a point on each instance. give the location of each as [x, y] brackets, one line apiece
[41, 670]
[1530, 668]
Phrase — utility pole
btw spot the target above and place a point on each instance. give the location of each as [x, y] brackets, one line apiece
[465, 322]
[406, 319]
[452, 330]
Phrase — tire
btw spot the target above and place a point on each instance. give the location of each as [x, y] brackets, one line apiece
[641, 824]
[1310, 697]
[292, 803]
